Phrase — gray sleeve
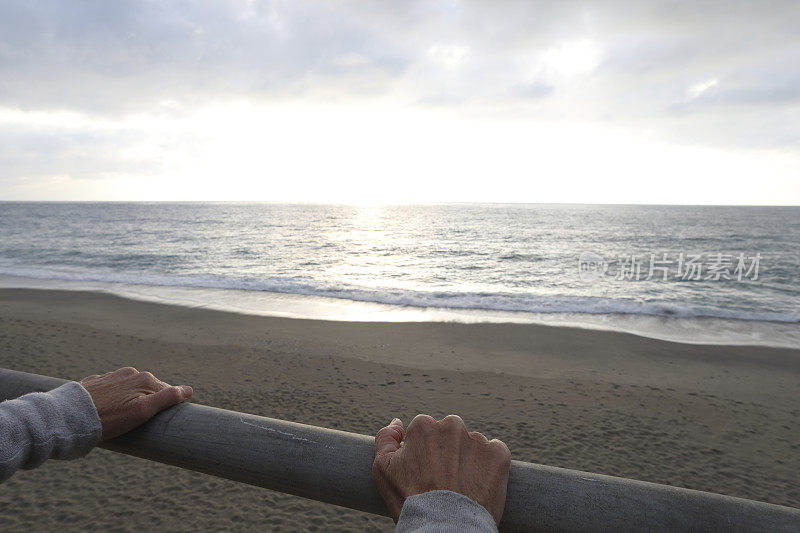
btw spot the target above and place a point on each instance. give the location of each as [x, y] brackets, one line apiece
[443, 511]
[60, 424]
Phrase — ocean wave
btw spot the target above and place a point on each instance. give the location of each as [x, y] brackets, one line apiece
[486, 301]
[514, 256]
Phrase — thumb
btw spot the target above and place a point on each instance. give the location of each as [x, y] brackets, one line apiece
[389, 438]
[166, 397]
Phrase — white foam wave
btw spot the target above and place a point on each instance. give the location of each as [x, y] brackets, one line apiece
[509, 302]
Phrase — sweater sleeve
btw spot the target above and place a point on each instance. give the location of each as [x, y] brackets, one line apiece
[443, 511]
[60, 424]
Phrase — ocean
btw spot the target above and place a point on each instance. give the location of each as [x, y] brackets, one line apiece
[686, 273]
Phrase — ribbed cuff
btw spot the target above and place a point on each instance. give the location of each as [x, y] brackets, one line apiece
[82, 429]
[444, 511]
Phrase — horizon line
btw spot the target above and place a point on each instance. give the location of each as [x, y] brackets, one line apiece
[381, 204]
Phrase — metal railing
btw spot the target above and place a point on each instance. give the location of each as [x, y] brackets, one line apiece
[335, 467]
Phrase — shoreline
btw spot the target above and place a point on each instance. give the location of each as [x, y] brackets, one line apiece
[697, 330]
[708, 417]
[478, 346]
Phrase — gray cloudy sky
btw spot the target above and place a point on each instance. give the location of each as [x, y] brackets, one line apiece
[619, 101]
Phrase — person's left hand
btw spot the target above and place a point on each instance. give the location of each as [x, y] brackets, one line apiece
[127, 398]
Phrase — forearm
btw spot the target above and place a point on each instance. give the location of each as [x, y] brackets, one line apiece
[443, 511]
[60, 424]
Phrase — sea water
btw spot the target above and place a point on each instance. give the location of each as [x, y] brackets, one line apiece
[612, 267]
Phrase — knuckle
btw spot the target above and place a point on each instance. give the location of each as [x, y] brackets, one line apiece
[129, 370]
[423, 420]
[146, 378]
[454, 424]
[422, 424]
[387, 431]
[175, 394]
[453, 419]
[478, 436]
[500, 448]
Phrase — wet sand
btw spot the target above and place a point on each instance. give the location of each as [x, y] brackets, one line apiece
[717, 418]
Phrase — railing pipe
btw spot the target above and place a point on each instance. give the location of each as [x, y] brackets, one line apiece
[335, 467]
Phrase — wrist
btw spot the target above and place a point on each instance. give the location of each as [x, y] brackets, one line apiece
[444, 507]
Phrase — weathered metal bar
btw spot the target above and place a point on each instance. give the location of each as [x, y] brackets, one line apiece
[335, 467]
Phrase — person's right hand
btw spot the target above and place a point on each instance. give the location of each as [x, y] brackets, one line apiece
[127, 398]
[440, 455]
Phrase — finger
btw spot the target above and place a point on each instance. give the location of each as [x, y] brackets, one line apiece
[478, 436]
[125, 371]
[159, 385]
[148, 381]
[389, 438]
[158, 401]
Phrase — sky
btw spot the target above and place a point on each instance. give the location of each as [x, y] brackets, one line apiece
[401, 102]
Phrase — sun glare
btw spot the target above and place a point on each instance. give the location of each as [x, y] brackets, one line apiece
[388, 154]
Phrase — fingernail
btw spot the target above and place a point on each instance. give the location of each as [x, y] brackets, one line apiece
[187, 391]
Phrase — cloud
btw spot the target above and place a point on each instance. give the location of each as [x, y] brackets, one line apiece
[117, 56]
[109, 57]
[715, 74]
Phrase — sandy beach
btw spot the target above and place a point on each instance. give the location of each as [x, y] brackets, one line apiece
[716, 418]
